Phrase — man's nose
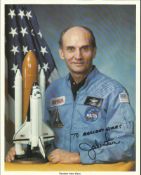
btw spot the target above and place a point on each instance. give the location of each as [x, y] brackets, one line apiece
[78, 54]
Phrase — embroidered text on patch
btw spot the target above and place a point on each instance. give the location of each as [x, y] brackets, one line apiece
[57, 101]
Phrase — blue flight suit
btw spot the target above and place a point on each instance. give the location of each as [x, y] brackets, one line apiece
[98, 124]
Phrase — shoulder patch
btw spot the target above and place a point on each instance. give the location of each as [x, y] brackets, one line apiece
[123, 97]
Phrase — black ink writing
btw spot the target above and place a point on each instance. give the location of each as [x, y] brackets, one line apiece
[91, 148]
[75, 135]
[101, 130]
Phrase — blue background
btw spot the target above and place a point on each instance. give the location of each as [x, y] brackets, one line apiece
[114, 30]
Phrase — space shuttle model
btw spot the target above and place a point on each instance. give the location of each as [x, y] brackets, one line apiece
[30, 130]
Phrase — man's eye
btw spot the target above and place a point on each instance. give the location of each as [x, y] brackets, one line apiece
[70, 49]
[86, 48]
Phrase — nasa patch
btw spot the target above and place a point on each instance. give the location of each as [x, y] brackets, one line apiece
[91, 115]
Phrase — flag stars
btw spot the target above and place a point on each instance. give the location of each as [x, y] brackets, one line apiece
[45, 67]
[25, 50]
[12, 13]
[23, 31]
[43, 50]
[14, 50]
[13, 32]
[21, 14]
[40, 34]
[28, 15]
[14, 68]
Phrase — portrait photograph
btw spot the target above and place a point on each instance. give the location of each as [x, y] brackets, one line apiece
[70, 87]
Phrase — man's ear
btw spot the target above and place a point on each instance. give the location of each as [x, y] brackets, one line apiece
[61, 54]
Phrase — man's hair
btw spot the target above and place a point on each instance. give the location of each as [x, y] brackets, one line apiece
[93, 41]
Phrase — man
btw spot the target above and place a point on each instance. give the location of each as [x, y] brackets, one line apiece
[89, 112]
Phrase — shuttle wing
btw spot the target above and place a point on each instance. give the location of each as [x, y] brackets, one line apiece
[47, 132]
[23, 135]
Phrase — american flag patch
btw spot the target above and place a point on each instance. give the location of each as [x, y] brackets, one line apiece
[123, 97]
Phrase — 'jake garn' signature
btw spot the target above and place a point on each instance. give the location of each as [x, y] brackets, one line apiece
[91, 148]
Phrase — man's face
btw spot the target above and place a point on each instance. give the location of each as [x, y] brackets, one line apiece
[77, 50]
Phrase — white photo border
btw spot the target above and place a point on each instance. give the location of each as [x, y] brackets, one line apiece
[2, 79]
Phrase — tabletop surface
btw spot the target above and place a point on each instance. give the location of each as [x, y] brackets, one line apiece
[120, 166]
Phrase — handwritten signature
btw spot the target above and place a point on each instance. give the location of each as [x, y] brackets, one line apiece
[91, 148]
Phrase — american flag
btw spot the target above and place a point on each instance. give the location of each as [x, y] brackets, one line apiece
[23, 34]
